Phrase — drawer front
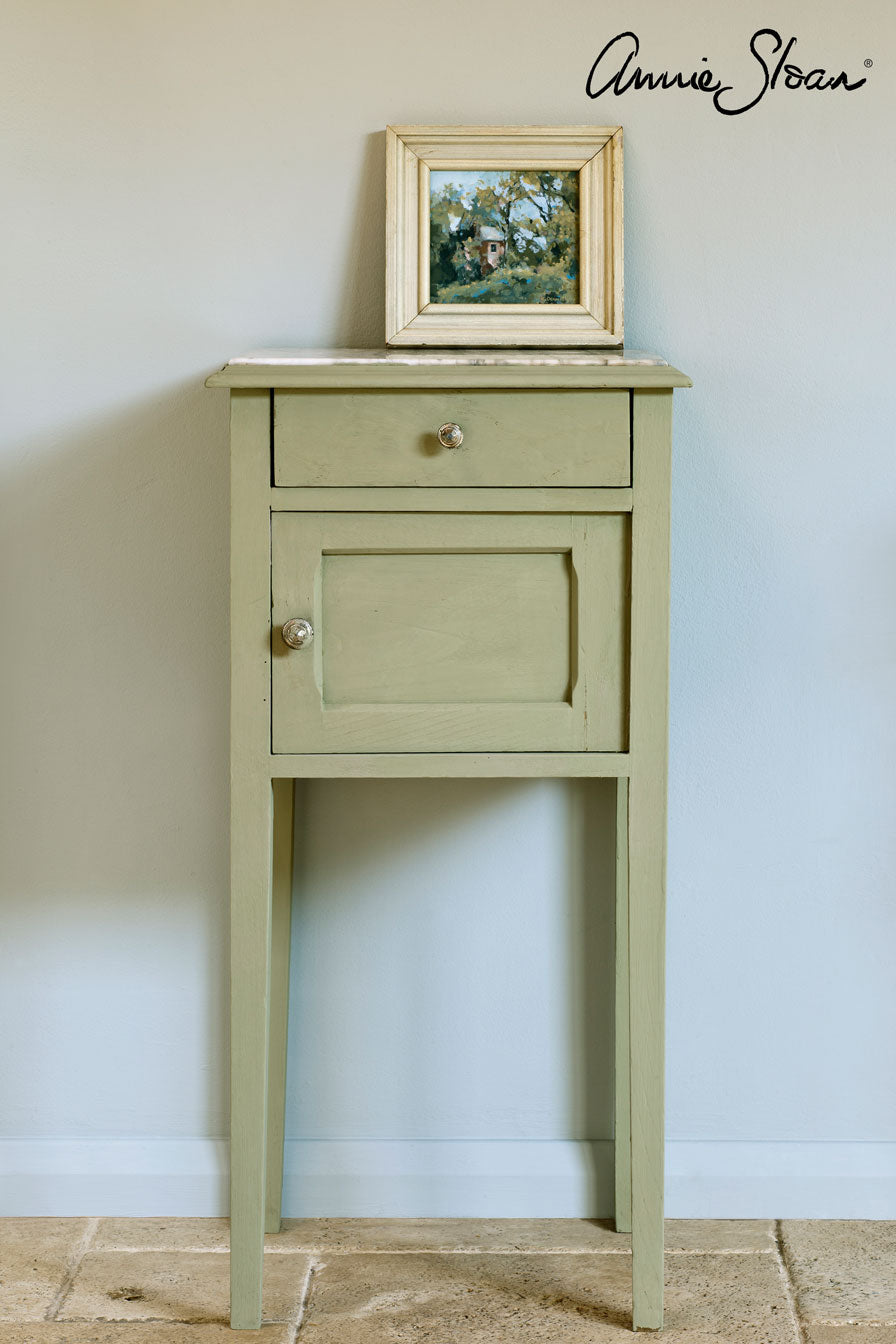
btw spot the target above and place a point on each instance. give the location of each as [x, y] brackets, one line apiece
[450, 632]
[516, 438]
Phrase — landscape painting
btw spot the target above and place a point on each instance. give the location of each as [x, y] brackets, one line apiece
[504, 236]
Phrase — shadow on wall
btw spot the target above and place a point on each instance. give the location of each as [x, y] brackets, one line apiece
[361, 314]
[114, 551]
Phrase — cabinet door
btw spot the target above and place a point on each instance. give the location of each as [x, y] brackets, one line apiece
[444, 632]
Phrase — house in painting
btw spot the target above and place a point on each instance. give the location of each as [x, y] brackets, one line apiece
[490, 245]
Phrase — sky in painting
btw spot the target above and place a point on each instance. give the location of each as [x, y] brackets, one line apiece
[469, 180]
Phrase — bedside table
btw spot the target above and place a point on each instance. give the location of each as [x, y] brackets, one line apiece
[446, 564]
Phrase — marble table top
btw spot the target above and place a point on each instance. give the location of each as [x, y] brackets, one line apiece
[452, 358]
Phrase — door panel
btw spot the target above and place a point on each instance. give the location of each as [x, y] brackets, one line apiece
[432, 629]
[450, 632]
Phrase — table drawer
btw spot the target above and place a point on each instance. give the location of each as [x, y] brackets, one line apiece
[450, 632]
[510, 438]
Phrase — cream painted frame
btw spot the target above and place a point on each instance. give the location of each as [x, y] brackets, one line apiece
[595, 152]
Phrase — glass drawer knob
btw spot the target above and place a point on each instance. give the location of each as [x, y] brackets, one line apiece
[297, 633]
[451, 435]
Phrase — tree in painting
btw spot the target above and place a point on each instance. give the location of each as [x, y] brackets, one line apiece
[503, 237]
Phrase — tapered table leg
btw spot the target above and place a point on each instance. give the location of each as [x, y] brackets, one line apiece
[279, 1015]
[622, 1145]
[651, 462]
[646, 816]
[251, 819]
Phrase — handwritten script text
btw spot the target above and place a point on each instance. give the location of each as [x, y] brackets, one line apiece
[614, 71]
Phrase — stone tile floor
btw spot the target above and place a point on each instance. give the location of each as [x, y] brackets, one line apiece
[445, 1281]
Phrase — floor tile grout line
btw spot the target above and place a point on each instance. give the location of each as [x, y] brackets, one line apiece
[852, 1324]
[722, 1250]
[504, 1250]
[428, 1250]
[296, 1323]
[75, 1261]
[158, 1320]
[789, 1285]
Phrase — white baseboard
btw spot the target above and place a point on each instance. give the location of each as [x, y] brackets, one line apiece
[453, 1179]
[498, 1179]
[731, 1179]
[123, 1178]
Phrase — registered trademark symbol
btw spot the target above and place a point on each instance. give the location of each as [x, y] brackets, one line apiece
[868, 64]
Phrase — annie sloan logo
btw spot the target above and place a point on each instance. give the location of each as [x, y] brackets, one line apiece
[616, 71]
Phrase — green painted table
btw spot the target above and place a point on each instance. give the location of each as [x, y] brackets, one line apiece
[446, 563]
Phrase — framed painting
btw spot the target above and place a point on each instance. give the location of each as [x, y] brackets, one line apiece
[504, 235]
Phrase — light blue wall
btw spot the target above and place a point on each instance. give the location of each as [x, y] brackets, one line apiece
[188, 181]
[453, 961]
